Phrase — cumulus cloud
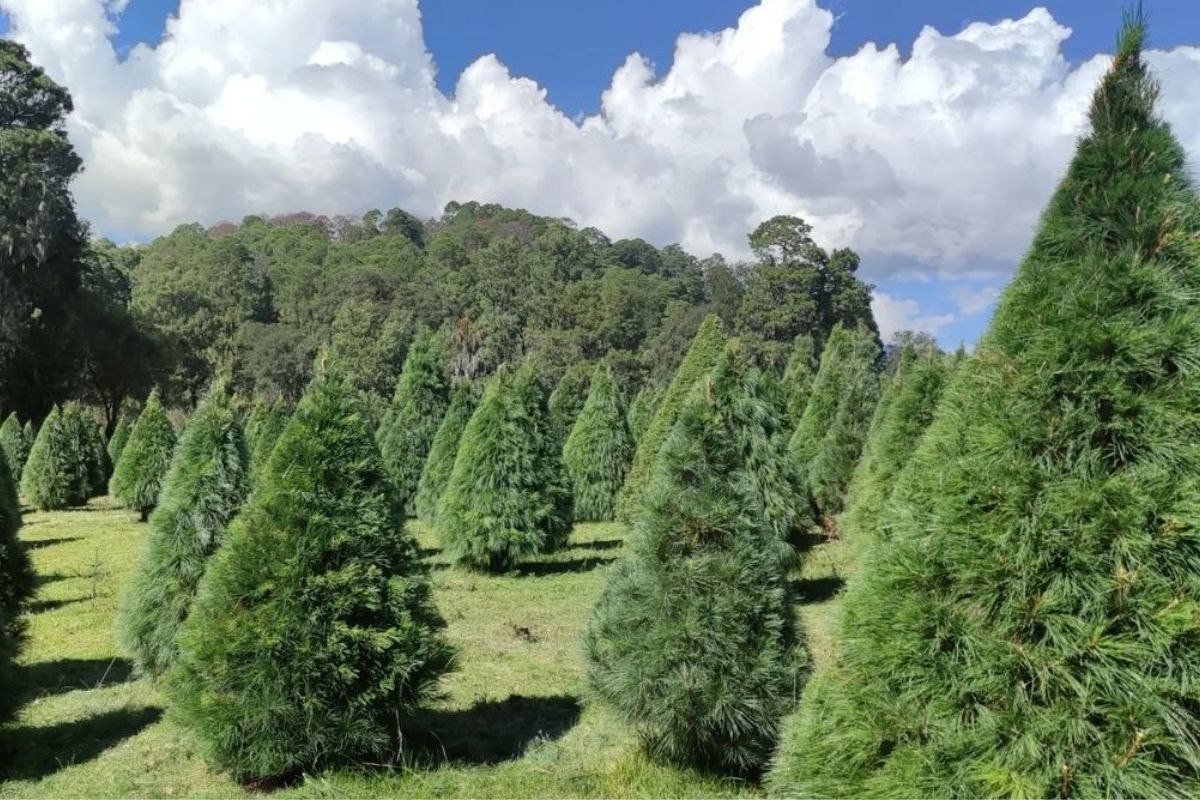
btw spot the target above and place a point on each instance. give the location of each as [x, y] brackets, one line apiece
[894, 314]
[943, 159]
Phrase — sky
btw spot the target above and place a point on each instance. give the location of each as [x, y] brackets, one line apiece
[926, 134]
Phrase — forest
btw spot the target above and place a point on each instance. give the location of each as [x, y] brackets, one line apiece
[493, 505]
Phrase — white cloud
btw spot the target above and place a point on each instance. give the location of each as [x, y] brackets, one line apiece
[331, 106]
[972, 300]
[894, 314]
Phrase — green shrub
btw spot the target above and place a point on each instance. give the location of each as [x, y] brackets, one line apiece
[829, 437]
[507, 496]
[407, 432]
[599, 449]
[702, 354]
[1029, 625]
[55, 475]
[313, 633]
[642, 410]
[120, 437]
[692, 640]
[901, 417]
[798, 377]
[567, 400]
[14, 446]
[204, 488]
[145, 459]
[16, 587]
[440, 462]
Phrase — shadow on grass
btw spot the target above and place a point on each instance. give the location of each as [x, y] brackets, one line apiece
[537, 569]
[600, 544]
[33, 753]
[38, 544]
[50, 577]
[42, 606]
[429, 552]
[817, 590]
[492, 731]
[69, 674]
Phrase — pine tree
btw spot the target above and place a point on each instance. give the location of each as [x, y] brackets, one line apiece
[145, 459]
[55, 475]
[692, 640]
[642, 410]
[313, 632]
[14, 446]
[598, 451]
[828, 440]
[204, 488]
[702, 354]
[406, 435]
[507, 496]
[1029, 624]
[798, 377]
[120, 436]
[567, 400]
[89, 444]
[902, 415]
[440, 462]
[267, 422]
[16, 587]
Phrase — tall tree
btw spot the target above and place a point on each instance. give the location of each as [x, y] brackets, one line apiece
[798, 377]
[313, 632]
[692, 640]
[568, 398]
[56, 474]
[440, 463]
[598, 451]
[407, 432]
[1028, 625]
[642, 410]
[144, 461]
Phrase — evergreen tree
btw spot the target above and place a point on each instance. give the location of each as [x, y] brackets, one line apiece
[440, 462]
[267, 422]
[89, 446]
[599, 449]
[407, 432]
[568, 398]
[55, 475]
[120, 436]
[828, 440]
[692, 640]
[901, 416]
[1029, 624]
[642, 410]
[507, 496]
[798, 377]
[16, 587]
[204, 488]
[14, 446]
[145, 459]
[702, 354]
[313, 631]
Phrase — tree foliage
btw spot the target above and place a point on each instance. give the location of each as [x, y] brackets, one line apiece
[118, 440]
[15, 446]
[508, 495]
[313, 633]
[568, 399]
[642, 410]
[16, 587]
[598, 451]
[705, 348]
[264, 425]
[204, 489]
[406, 433]
[138, 478]
[56, 473]
[798, 377]
[1029, 624]
[692, 640]
[440, 463]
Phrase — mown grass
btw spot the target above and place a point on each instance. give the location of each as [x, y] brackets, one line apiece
[514, 721]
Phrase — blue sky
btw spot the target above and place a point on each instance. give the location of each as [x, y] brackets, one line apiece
[941, 199]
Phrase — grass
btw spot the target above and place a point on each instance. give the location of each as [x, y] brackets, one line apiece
[514, 721]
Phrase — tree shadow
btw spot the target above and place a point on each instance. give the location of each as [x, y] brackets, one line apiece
[807, 540]
[817, 590]
[70, 674]
[539, 569]
[38, 544]
[429, 552]
[42, 606]
[492, 731]
[601, 544]
[33, 753]
[50, 577]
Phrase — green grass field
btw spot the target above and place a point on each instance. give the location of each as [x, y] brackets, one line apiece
[514, 721]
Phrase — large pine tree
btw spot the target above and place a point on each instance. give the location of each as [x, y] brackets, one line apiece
[406, 434]
[263, 426]
[55, 475]
[144, 461]
[568, 399]
[693, 640]
[642, 410]
[203, 490]
[798, 377]
[508, 495]
[118, 440]
[706, 347]
[440, 463]
[1030, 625]
[599, 449]
[313, 632]
[16, 586]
